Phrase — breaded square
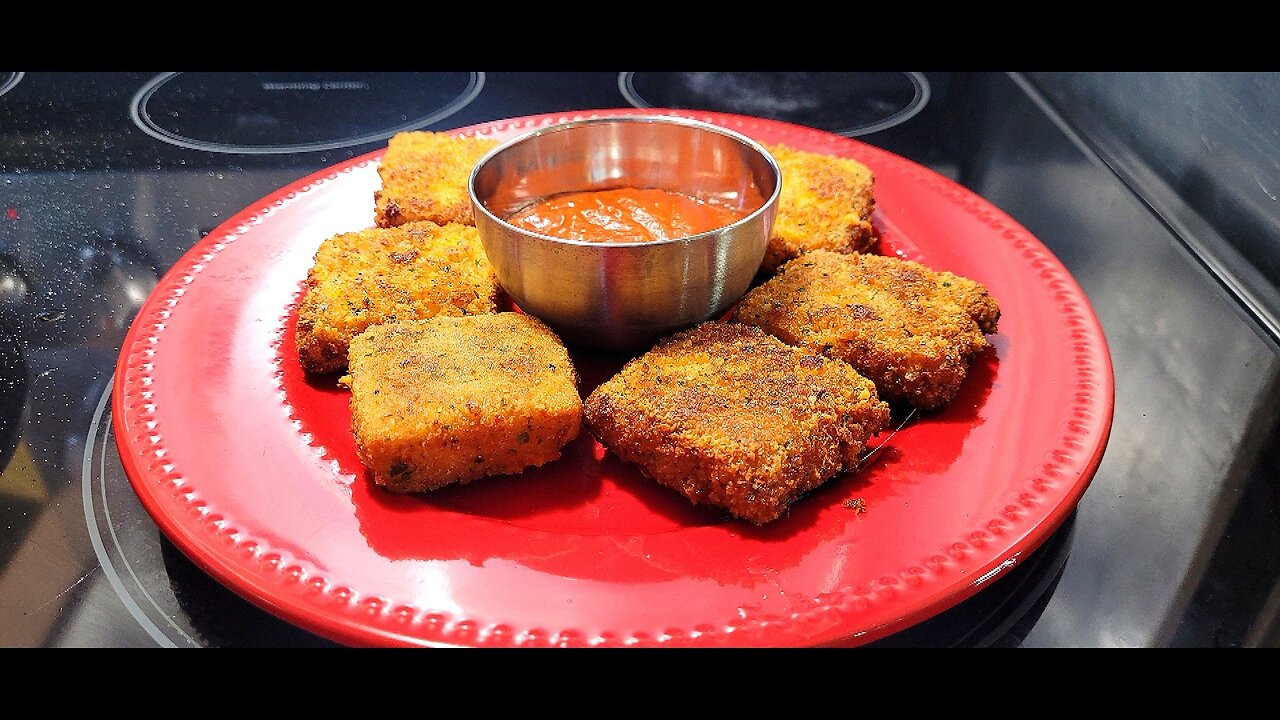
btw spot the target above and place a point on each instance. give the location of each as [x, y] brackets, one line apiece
[912, 330]
[378, 275]
[825, 203]
[424, 177]
[453, 399]
[731, 417]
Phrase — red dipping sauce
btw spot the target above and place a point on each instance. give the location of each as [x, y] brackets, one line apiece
[623, 215]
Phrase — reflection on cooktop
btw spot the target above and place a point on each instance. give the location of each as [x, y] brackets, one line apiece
[15, 286]
[273, 113]
[13, 391]
[846, 103]
[1003, 614]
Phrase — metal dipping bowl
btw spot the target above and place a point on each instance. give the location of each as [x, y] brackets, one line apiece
[625, 296]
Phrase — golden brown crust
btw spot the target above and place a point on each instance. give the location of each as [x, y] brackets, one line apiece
[453, 399]
[729, 416]
[912, 330]
[424, 177]
[825, 203]
[378, 275]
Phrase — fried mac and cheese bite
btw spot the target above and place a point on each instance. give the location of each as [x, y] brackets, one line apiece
[424, 177]
[453, 399]
[826, 203]
[368, 277]
[729, 416]
[912, 330]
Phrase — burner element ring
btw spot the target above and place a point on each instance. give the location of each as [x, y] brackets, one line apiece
[279, 113]
[8, 80]
[844, 103]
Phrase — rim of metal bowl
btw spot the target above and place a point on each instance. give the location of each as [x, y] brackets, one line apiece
[602, 119]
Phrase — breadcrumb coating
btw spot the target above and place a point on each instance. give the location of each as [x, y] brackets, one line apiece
[453, 399]
[912, 330]
[731, 417]
[378, 275]
[424, 177]
[825, 203]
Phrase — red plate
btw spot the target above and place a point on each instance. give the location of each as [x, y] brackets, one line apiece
[251, 470]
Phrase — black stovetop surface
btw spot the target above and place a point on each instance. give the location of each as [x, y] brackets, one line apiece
[106, 179]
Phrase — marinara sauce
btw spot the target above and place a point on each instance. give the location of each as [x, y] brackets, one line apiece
[623, 215]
